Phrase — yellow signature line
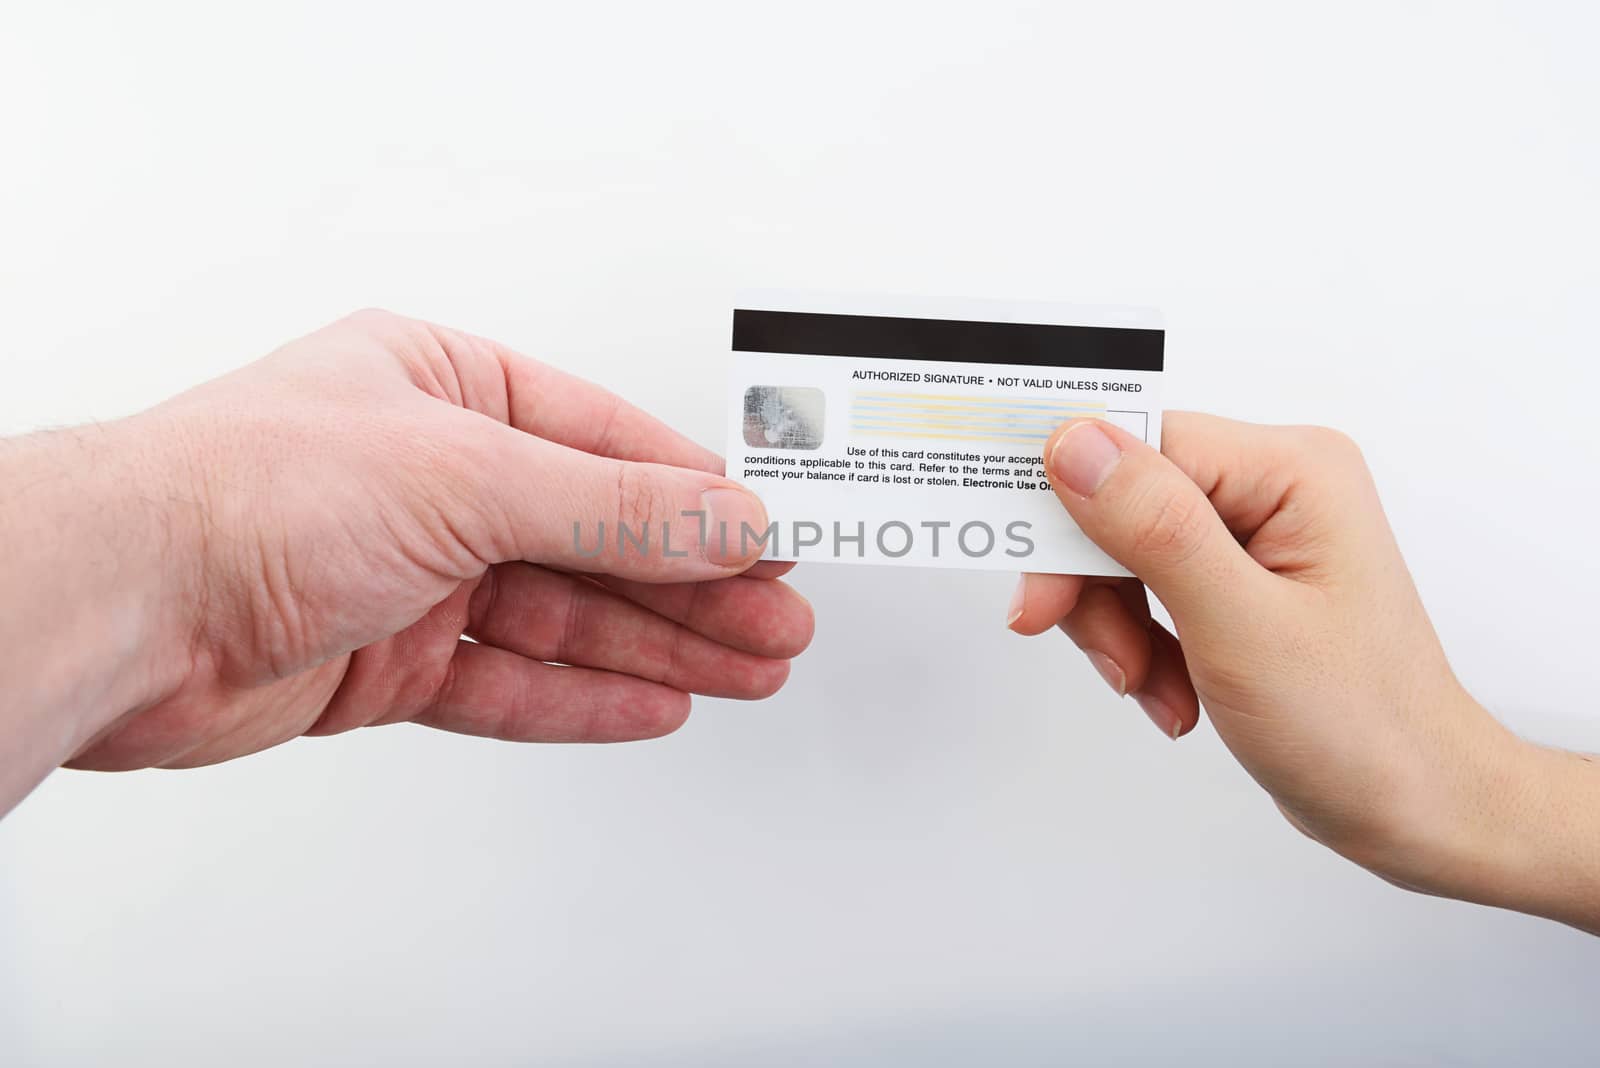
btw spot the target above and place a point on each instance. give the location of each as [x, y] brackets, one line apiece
[895, 395]
[973, 409]
[969, 418]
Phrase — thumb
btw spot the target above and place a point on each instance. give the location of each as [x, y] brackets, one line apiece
[1142, 510]
[643, 521]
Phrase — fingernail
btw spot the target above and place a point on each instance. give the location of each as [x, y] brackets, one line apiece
[728, 513]
[1083, 457]
[1018, 597]
[1161, 714]
[1114, 676]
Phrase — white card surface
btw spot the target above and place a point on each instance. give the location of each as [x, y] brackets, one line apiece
[897, 430]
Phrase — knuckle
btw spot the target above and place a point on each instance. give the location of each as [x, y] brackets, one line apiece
[398, 332]
[1330, 445]
[574, 622]
[641, 500]
[1172, 527]
[373, 318]
[606, 425]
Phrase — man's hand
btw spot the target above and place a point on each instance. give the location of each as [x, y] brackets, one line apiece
[313, 537]
[1299, 628]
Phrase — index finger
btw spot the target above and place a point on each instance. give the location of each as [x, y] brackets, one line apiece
[571, 411]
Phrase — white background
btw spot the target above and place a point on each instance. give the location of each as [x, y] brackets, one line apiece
[942, 844]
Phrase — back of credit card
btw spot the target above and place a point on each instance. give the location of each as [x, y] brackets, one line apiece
[899, 430]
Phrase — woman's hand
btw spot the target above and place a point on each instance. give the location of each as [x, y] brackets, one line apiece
[300, 548]
[1299, 629]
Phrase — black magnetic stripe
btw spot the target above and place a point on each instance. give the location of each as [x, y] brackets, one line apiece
[1114, 348]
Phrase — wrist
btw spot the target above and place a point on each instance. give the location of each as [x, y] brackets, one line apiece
[1437, 827]
[99, 532]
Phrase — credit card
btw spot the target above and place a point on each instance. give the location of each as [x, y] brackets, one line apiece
[901, 430]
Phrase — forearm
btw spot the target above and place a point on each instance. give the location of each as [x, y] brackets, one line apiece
[1522, 829]
[1547, 859]
[91, 526]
